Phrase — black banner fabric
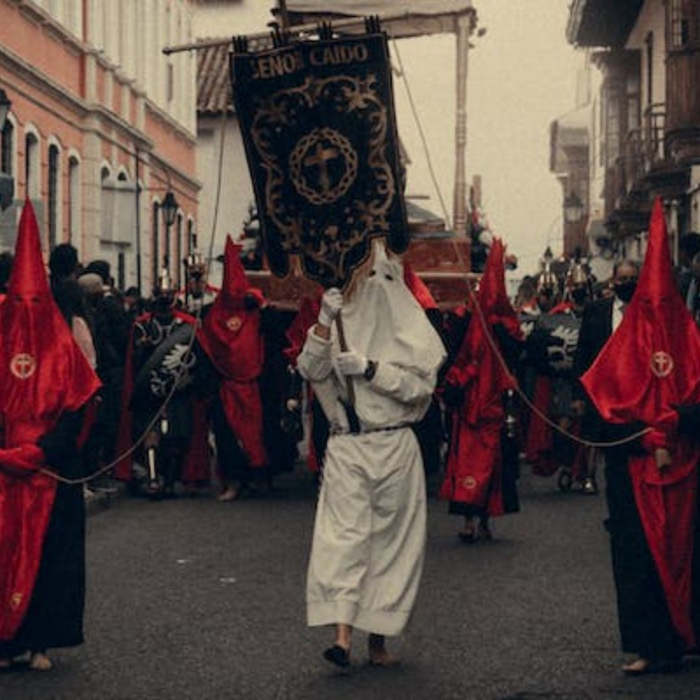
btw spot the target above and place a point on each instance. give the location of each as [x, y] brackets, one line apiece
[553, 341]
[319, 129]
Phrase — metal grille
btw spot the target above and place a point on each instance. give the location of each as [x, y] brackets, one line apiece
[53, 196]
[156, 247]
[178, 251]
[6, 148]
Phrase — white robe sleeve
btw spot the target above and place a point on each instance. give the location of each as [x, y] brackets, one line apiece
[314, 361]
[402, 384]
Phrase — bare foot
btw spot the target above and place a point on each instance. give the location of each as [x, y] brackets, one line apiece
[378, 655]
[468, 534]
[40, 662]
[230, 494]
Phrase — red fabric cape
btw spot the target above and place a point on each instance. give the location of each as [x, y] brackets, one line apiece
[231, 337]
[418, 287]
[299, 327]
[43, 373]
[650, 364]
[538, 447]
[296, 337]
[196, 463]
[474, 462]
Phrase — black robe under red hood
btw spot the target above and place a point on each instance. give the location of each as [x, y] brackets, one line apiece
[649, 365]
[43, 374]
[474, 465]
[232, 339]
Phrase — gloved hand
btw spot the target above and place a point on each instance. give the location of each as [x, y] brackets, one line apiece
[331, 304]
[253, 299]
[351, 363]
[27, 457]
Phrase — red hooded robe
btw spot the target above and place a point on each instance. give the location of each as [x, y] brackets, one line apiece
[418, 288]
[296, 337]
[43, 373]
[231, 337]
[474, 463]
[650, 364]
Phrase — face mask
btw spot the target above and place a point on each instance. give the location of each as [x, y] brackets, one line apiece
[162, 305]
[579, 296]
[625, 291]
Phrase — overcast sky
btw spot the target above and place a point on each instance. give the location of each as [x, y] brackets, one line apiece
[521, 76]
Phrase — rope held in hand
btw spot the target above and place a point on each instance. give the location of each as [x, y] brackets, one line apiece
[142, 438]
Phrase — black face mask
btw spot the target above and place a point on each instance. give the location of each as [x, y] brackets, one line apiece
[579, 296]
[625, 291]
[162, 305]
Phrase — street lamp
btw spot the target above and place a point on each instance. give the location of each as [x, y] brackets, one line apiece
[169, 207]
[573, 208]
[5, 105]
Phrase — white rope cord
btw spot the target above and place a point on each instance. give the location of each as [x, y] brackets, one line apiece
[494, 346]
[534, 409]
[479, 311]
[142, 438]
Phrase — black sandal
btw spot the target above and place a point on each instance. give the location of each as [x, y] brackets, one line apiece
[337, 655]
[468, 537]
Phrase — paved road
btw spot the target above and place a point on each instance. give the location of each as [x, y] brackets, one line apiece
[195, 599]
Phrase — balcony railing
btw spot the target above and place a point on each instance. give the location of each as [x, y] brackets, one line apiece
[644, 149]
[654, 133]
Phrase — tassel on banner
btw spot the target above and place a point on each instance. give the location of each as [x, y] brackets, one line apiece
[280, 38]
[240, 44]
[325, 31]
[373, 24]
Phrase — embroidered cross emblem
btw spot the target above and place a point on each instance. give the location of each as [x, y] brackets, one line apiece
[661, 364]
[22, 365]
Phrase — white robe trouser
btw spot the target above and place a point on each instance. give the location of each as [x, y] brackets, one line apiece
[369, 534]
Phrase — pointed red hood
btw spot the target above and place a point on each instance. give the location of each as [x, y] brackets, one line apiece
[477, 365]
[652, 361]
[43, 372]
[28, 278]
[235, 284]
[230, 334]
[418, 288]
[492, 291]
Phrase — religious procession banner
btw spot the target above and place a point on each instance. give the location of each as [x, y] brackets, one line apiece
[319, 129]
[553, 342]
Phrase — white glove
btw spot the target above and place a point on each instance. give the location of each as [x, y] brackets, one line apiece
[351, 363]
[331, 304]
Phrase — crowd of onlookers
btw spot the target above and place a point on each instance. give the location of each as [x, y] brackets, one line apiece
[100, 318]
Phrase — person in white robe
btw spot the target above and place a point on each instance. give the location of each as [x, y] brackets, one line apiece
[370, 529]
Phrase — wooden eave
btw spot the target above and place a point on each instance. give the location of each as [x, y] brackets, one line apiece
[602, 22]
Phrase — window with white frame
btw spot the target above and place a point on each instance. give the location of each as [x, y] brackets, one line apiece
[31, 165]
[155, 239]
[74, 200]
[53, 201]
[178, 249]
[7, 148]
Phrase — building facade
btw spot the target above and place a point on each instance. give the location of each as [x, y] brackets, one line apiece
[648, 113]
[102, 126]
[222, 18]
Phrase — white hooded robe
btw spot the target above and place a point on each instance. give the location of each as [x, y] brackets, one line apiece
[369, 534]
